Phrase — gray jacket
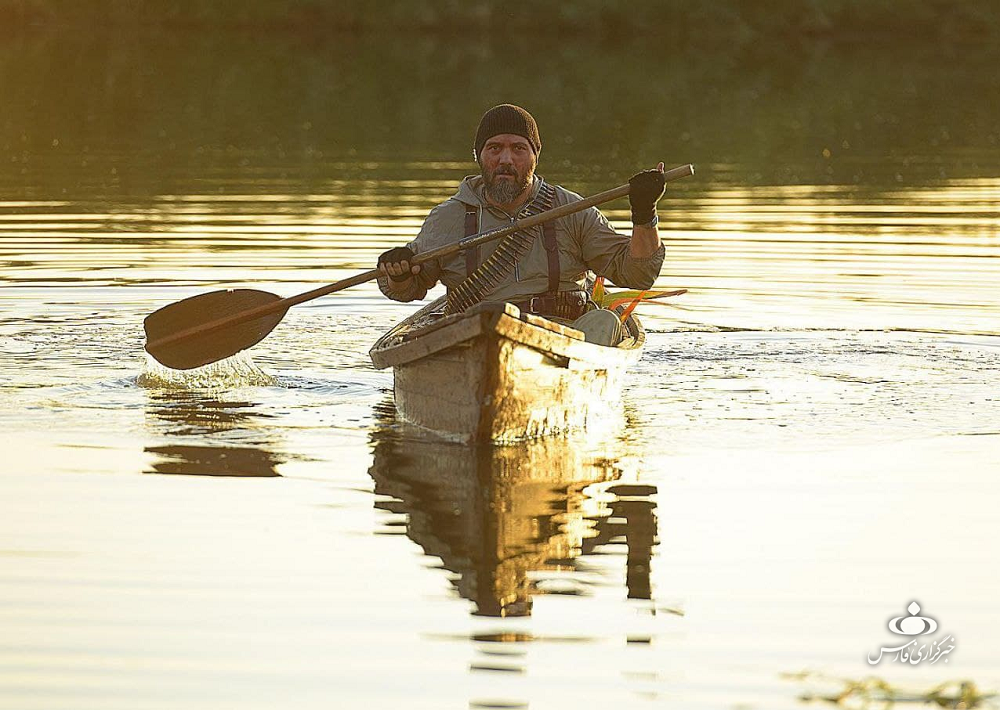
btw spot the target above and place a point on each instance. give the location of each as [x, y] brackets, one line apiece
[586, 241]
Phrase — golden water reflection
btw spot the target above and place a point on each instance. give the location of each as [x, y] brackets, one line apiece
[921, 257]
[512, 522]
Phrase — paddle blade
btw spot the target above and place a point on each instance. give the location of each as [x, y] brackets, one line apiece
[182, 335]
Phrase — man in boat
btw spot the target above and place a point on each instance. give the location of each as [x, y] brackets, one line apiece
[550, 276]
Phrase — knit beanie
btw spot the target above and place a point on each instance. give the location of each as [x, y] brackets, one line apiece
[507, 118]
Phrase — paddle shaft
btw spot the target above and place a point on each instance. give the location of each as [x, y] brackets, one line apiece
[444, 251]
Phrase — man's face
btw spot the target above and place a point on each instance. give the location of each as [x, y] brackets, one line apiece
[508, 165]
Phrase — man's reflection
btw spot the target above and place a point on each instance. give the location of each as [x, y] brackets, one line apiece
[633, 519]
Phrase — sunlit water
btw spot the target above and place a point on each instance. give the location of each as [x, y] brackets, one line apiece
[811, 443]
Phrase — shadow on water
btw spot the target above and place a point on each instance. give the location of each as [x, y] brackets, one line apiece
[190, 414]
[497, 516]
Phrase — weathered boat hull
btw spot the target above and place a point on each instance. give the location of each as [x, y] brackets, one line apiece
[493, 374]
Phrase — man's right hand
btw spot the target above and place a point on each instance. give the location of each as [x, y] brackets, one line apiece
[398, 264]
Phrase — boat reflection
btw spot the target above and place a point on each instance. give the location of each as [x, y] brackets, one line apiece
[198, 419]
[497, 516]
[631, 518]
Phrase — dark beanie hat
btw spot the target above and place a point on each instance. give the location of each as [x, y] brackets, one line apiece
[507, 118]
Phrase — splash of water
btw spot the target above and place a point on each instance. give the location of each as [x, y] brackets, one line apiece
[237, 371]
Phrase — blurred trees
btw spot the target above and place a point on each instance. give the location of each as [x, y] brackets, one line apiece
[670, 19]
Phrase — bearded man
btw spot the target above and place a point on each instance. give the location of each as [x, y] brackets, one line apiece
[550, 278]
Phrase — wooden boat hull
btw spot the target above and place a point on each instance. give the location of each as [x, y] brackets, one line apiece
[493, 374]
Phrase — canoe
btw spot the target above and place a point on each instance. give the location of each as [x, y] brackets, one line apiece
[496, 374]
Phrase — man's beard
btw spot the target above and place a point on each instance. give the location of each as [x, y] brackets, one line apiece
[503, 191]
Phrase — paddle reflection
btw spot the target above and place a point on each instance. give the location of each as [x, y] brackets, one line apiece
[497, 516]
[192, 415]
[213, 461]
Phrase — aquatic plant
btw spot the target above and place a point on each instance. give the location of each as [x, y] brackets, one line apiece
[874, 692]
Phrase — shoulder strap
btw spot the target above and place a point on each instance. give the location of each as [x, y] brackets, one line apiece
[552, 252]
[471, 227]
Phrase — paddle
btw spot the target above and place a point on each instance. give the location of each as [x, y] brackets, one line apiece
[203, 329]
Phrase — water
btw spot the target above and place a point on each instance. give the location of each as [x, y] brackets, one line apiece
[810, 440]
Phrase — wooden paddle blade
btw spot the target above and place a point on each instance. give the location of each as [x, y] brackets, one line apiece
[212, 344]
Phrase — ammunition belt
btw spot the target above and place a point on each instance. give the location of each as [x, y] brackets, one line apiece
[501, 262]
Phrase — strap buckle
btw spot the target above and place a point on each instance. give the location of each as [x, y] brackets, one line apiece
[531, 304]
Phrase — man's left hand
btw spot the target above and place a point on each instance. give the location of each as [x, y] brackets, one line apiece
[645, 189]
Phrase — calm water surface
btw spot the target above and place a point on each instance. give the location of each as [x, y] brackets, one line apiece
[810, 441]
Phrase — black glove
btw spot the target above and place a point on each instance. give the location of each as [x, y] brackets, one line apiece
[645, 189]
[396, 256]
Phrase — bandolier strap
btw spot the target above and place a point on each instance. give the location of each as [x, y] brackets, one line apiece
[552, 251]
[548, 240]
[488, 275]
[471, 227]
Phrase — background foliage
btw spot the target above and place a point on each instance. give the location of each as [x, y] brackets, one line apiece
[673, 19]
